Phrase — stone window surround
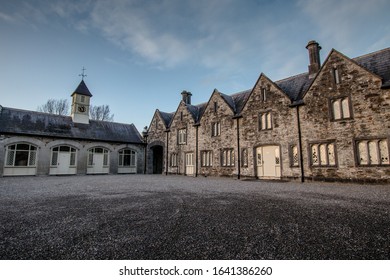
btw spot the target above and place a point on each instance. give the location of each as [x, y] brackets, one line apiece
[356, 151]
[320, 142]
[174, 160]
[331, 112]
[291, 155]
[229, 160]
[182, 136]
[206, 158]
[215, 129]
[269, 122]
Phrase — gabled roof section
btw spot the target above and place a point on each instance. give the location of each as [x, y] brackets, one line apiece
[166, 117]
[82, 89]
[377, 63]
[196, 111]
[22, 122]
[296, 86]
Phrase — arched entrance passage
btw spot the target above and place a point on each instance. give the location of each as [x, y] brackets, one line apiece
[158, 158]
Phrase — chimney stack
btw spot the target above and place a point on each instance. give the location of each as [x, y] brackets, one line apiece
[314, 57]
[186, 97]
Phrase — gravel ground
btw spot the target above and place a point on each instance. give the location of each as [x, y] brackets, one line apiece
[177, 217]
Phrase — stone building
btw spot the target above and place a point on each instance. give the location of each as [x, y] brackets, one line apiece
[35, 143]
[330, 123]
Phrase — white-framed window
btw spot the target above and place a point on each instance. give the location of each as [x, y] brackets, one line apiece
[227, 157]
[372, 152]
[294, 156]
[182, 136]
[127, 158]
[340, 108]
[21, 154]
[265, 121]
[244, 157]
[98, 150]
[63, 149]
[173, 160]
[216, 129]
[323, 154]
[206, 158]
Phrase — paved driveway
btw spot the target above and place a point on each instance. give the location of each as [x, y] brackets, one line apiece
[177, 217]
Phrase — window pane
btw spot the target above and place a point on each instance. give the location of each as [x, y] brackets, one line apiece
[269, 123]
[331, 154]
[24, 147]
[336, 110]
[64, 149]
[10, 157]
[21, 158]
[126, 160]
[384, 151]
[121, 158]
[33, 155]
[54, 158]
[33, 148]
[314, 155]
[295, 156]
[99, 150]
[263, 123]
[373, 152]
[345, 106]
[90, 158]
[55, 149]
[323, 158]
[105, 159]
[363, 155]
[72, 159]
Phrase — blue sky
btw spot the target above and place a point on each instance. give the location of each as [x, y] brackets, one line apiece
[140, 55]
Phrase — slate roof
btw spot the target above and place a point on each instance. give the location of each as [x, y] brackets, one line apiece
[296, 86]
[377, 63]
[166, 117]
[82, 89]
[22, 122]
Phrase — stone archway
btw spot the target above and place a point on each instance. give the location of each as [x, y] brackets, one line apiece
[157, 159]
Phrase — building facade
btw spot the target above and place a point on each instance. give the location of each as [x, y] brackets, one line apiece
[330, 123]
[35, 143]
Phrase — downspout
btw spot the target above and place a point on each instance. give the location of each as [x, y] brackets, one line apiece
[166, 155]
[196, 151]
[300, 145]
[238, 149]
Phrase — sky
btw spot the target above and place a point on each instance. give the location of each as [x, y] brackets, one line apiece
[140, 55]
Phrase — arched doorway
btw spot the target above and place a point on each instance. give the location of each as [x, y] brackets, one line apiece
[158, 157]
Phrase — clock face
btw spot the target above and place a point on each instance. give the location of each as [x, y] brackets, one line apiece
[81, 109]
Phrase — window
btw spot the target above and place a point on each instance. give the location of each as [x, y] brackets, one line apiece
[215, 107]
[82, 98]
[206, 158]
[265, 121]
[323, 154]
[216, 129]
[341, 108]
[373, 152]
[182, 136]
[294, 156]
[181, 116]
[174, 160]
[227, 157]
[336, 76]
[62, 150]
[96, 151]
[263, 94]
[127, 158]
[21, 155]
[244, 157]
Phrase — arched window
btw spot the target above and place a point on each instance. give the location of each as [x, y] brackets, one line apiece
[100, 153]
[21, 154]
[127, 158]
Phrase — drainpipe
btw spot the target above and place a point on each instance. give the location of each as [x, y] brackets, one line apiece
[196, 152]
[145, 135]
[300, 145]
[238, 149]
[166, 155]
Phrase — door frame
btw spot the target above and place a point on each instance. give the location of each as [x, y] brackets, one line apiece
[255, 165]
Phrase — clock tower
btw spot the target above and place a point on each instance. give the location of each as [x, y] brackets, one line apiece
[80, 104]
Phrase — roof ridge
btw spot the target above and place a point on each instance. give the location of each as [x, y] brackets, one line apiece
[371, 53]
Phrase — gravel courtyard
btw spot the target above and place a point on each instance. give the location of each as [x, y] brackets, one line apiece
[177, 217]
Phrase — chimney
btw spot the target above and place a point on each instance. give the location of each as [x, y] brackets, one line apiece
[186, 97]
[314, 57]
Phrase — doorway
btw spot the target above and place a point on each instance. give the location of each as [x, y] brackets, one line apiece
[158, 156]
[268, 162]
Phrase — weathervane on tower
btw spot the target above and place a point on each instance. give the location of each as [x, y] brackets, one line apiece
[82, 74]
